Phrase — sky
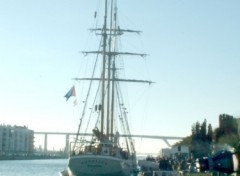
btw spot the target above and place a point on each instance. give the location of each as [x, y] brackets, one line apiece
[193, 58]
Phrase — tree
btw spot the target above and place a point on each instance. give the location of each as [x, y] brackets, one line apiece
[185, 141]
[201, 139]
[210, 134]
[203, 130]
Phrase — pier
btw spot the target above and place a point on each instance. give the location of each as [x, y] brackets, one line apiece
[69, 134]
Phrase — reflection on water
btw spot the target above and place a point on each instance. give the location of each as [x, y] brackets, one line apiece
[32, 167]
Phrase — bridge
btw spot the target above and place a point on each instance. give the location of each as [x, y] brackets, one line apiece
[68, 134]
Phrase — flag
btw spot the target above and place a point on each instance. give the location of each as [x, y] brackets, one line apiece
[70, 93]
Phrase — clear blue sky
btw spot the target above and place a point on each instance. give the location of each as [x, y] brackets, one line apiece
[194, 58]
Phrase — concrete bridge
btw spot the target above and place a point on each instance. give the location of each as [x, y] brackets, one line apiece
[68, 134]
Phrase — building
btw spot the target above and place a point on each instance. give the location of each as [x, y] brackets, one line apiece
[17, 140]
[181, 151]
[228, 124]
[174, 152]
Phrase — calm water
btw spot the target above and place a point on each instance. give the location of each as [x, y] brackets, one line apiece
[32, 167]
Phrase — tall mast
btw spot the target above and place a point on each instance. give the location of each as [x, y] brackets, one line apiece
[109, 71]
[104, 67]
[113, 71]
[108, 79]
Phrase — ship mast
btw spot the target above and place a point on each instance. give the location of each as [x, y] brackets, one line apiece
[104, 67]
[110, 32]
[109, 72]
[113, 71]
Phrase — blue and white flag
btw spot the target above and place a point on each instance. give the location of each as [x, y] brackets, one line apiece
[70, 93]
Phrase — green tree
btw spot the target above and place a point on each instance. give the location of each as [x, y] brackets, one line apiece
[203, 131]
[201, 139]
[210, 133]
[185, 141]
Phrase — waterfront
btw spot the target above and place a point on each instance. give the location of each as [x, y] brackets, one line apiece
[48, 167]
[32, 167]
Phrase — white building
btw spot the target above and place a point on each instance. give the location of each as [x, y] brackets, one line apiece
[180, 150]
[176, 151]
[16, 140]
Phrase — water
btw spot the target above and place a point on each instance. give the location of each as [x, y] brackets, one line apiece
[32, 167]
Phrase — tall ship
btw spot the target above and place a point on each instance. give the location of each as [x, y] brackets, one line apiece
[108, 149]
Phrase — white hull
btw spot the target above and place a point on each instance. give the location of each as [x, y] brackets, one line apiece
[148, 165]
[99, 165]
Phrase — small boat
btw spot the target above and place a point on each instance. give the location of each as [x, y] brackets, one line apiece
[104, 151]
[156, 166]
[148, 166]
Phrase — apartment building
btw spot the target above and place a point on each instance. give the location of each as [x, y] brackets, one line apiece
[17, 140]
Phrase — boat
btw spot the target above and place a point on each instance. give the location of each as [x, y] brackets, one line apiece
[156, 166]
[108, 150]
[149, 164]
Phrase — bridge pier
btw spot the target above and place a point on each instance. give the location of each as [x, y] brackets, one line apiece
[166, 142]
[67, 145]
[45, 142]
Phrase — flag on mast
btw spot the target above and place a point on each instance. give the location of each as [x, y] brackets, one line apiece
[70, 93]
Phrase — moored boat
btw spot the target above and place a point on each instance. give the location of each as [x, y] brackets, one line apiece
[104, 152]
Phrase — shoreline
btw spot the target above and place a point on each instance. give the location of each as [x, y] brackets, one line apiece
[32, 157]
